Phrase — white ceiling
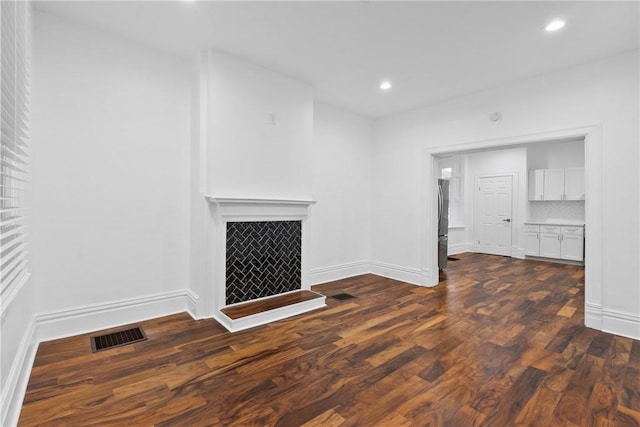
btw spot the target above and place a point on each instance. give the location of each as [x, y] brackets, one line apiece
[431, 51]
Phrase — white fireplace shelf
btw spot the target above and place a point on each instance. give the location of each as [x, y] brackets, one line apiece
[229, 208]
[249, 201]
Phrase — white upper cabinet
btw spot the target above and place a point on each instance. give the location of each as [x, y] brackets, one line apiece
[574, 184]
[536, 184]
[556, 184]
[553, 184]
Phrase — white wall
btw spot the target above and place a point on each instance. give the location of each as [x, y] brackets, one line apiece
[259, 131]
[340, 219]
[110, 163]
[600, 93]
[559, 154]
[252, 139]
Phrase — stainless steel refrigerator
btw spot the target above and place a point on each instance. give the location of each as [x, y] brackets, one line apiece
[443, 222]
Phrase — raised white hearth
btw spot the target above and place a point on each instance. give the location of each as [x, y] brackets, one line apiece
[258, 250]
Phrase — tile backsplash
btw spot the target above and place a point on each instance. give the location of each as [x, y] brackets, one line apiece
[568, 210]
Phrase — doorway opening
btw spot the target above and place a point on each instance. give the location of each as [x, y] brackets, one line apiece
[464, 238]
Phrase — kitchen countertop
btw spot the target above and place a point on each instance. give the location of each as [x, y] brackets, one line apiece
[555, 222]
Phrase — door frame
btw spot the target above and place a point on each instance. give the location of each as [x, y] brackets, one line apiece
[513, 249]
[594, 257]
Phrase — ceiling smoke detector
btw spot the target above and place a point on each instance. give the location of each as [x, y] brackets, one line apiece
[495, 116]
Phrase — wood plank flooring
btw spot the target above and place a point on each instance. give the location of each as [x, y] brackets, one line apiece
[500, 343]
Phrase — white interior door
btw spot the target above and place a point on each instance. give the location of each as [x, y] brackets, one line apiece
[494, 215]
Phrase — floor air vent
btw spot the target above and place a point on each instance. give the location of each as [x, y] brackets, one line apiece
[117, 339]
[342, 297]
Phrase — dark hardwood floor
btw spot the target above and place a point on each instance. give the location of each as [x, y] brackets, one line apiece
[500, 343]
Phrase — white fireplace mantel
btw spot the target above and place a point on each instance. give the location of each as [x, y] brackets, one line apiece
[262, 201]
[259, 209]
[235, 209]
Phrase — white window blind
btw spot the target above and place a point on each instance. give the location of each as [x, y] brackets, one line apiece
[14, 144]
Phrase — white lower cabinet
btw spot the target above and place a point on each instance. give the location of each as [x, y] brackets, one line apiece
[555, 241]
[550, 242]
[572, 243]
[532, 240]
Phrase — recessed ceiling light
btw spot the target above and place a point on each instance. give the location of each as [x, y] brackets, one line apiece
[554, 25]
[385, 85]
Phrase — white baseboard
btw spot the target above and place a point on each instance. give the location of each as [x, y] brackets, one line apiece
[593, 316]
[414, 276]
[621, 323]
[340, 271]
[94, 317]
[459, 248]
[18, 378]
[612, 321]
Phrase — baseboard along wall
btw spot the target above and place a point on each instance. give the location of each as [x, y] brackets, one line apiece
[85, 319]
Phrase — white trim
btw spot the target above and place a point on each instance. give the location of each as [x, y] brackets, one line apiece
[18, 378]
[339, 271]
[517, 252]
[594, 256]
[457, 226]
[239, 201]
[459, 248]
[398, 272]
[621, 323]
[593, 316]
[202, 111]
[555, 260]
[94, 317]
[230, 209]
[235, 325]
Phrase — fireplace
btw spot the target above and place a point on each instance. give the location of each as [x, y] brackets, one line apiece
[263, 258]
[258, 250]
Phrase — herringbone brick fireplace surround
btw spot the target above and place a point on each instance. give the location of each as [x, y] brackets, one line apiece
[258, 250]
[262, 259]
